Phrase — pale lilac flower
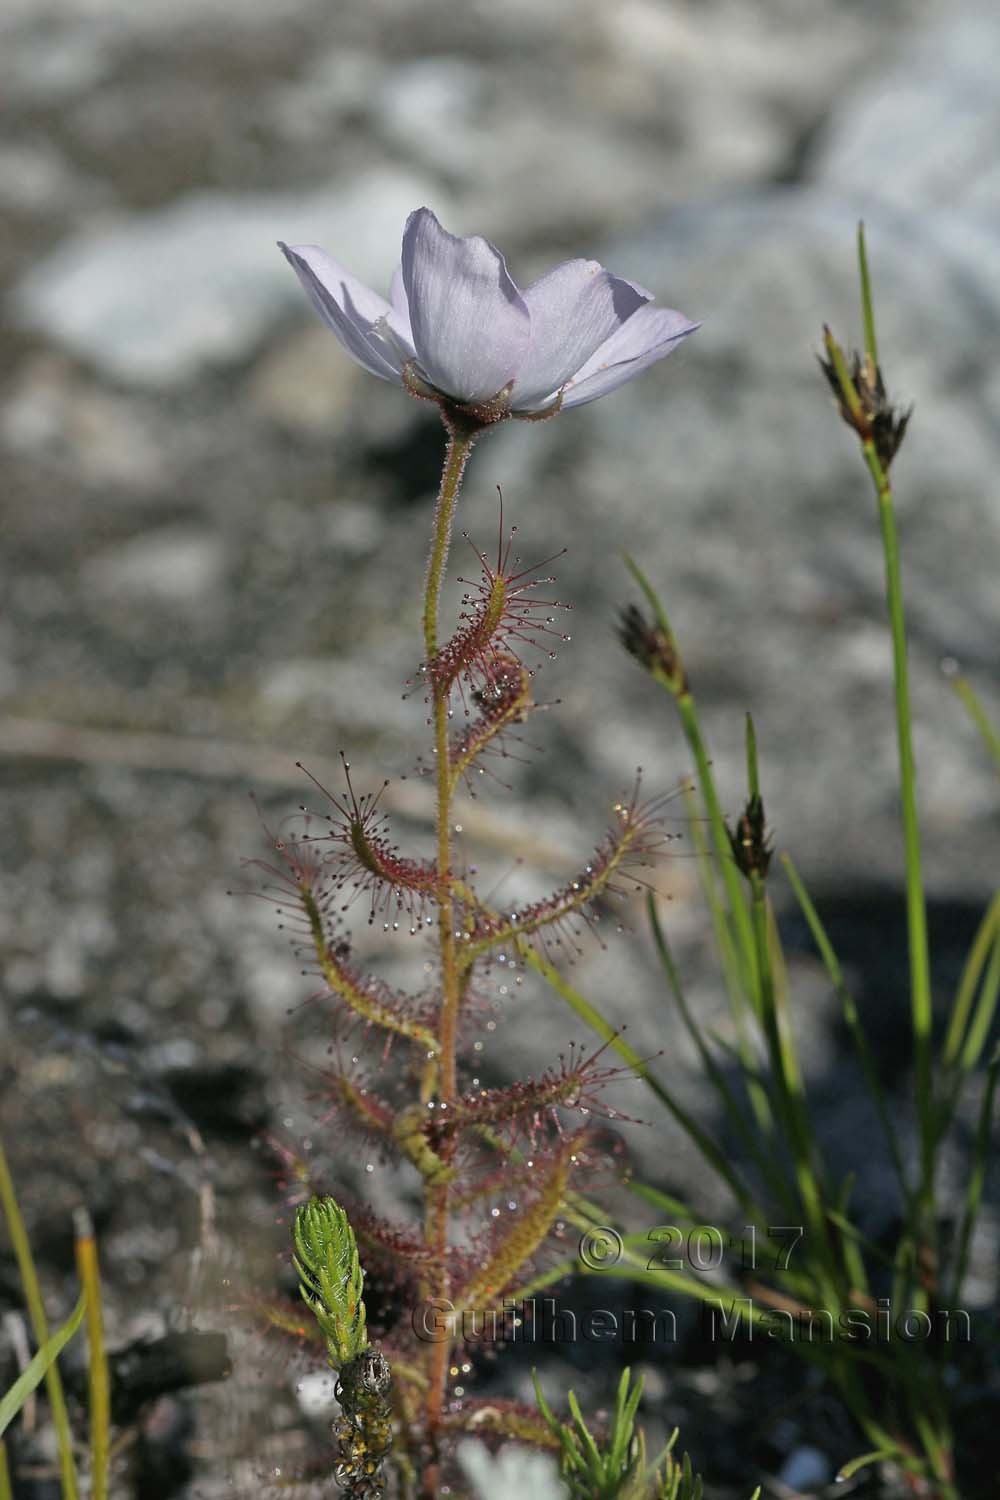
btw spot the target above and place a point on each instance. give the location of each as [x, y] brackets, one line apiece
[455, 321]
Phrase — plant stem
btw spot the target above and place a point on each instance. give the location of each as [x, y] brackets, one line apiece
[920, 978]
[40, 1327]
[849, 1011]
[98, 1387]
[460, 440]
[790, 1097]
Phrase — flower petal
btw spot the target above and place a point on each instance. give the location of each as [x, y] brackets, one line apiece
[649, 334]
[397, 294]
[470, 323]
[353, 311]
[574, 310]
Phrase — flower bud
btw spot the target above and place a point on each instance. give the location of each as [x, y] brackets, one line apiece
[870, 412]
[750, 841]
[652, 647]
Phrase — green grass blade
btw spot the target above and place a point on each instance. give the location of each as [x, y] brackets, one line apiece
[12, 1400]
[867, 306]
[724, 941]
[977, 1176]
[690, 723]
[938, 1451]
[731, 878]
[6, 1492]
[40, 1326]
[978, 1030]
[652, 598]
[975, 962]
[849, 1011]
[663, 1201]
[906, 1289]
[921, 1009]
[790, 1097]
[863, 1460]
[766, 1162]
[753, 772]
[730, 958]
[591, 1015]
[982, 1020]
[852, 1232]
[850, 1246]
[977, 713]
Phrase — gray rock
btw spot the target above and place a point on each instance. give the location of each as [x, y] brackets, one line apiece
[920, 136]
[53, 416]
[434, 107]
[35, 179]
[511, 1474]
[169, 567]
[159, 298]
[806, 1470]
[749, 505]
[338, 83]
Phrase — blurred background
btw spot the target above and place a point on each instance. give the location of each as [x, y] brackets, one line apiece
[214, 528]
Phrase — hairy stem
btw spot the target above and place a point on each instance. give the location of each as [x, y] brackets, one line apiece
[460, 440]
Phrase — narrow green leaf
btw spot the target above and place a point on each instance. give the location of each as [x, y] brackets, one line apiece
[855, 1465]
[973, 967]
[849, 1011]
[767, 1162]
[543, 1405]
[977, 1176]
[14, 1399]
[982, 1020]
[740, 933]
[753, 775]
[40, 1327]
[867, 306]
[652, 598]
[592, 1016]
[849, 1247]
[665, 1201]
[977, 713]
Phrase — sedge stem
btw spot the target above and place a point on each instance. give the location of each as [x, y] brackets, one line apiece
[916, 912]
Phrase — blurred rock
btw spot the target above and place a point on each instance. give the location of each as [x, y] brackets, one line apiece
[53, 416]
[919, 135]
[305, 384]
[770, 559]
[168, 567]
[36, 180]
[160, 298]
[433, 107]
[806, 1470]
[330, 88]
